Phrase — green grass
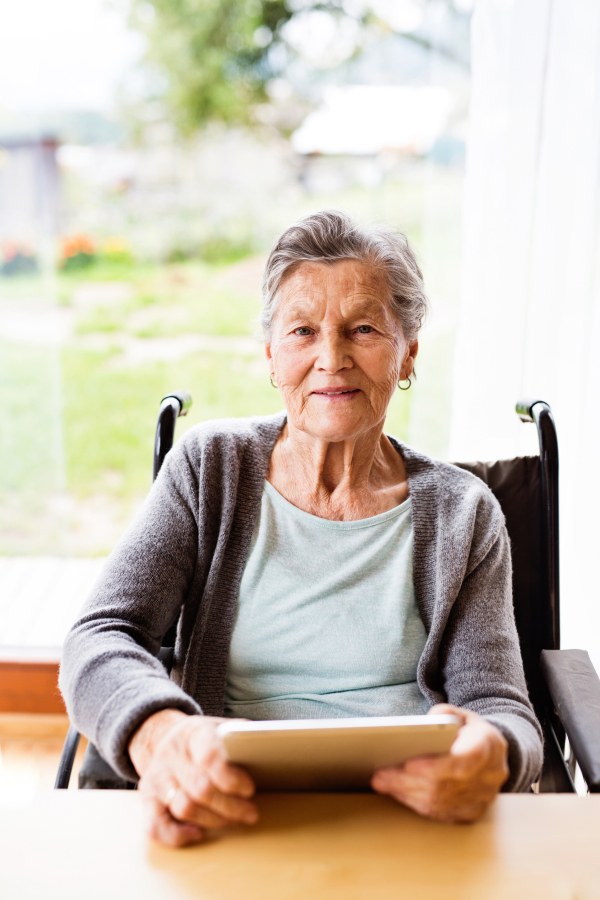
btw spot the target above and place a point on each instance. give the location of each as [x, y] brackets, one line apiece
[110, 411]
[31, 444]
[102, 270]
[167, 301]
[23, 287]
[101, 319]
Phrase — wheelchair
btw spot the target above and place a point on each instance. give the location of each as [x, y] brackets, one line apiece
[563, 685]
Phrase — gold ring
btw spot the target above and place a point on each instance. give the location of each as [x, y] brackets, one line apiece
[170, 794]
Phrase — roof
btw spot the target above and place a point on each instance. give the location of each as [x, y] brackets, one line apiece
[366, 119]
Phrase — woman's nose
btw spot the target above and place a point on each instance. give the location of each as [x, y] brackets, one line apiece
[332, 353]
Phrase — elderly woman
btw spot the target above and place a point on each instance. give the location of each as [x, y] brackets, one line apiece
[318, 567]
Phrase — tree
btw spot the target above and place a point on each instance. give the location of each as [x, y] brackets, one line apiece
[214, 59]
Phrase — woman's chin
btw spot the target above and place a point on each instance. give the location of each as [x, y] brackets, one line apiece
[337, 427]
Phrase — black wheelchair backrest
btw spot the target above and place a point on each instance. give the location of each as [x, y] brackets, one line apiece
[527, 490]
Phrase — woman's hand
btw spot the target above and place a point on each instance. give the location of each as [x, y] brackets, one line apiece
[187, 784]
[456, 787]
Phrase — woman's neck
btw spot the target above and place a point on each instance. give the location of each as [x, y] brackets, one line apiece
[350, 479]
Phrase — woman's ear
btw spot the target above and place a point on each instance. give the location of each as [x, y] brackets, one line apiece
[269, 356]
[408, 364]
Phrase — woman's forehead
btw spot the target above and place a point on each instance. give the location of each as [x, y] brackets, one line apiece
[349, 283]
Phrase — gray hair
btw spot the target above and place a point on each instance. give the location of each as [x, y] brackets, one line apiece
[330, 236]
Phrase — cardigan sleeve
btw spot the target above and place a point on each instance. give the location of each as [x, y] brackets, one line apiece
[481, 665]
[109, 676]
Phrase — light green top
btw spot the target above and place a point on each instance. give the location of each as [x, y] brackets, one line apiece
[326, 622]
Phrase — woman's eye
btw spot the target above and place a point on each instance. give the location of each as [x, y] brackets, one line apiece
[303, 331]
[365, 329]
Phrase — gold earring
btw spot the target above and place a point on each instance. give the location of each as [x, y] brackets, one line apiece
[273, 383]
[408, 385]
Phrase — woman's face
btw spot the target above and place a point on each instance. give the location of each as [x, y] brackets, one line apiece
[336, 351]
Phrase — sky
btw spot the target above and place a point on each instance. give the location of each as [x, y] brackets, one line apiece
[64, 54]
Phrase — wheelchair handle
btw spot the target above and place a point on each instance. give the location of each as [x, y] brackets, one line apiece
[184, 398]
[171, 407]
[524, 408]
[539, 411]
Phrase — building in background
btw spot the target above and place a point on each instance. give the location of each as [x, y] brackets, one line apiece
[30, 200]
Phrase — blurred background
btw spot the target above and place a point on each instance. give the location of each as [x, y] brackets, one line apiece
[151, 151]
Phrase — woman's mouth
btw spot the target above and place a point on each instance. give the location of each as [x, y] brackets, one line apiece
[338, 394]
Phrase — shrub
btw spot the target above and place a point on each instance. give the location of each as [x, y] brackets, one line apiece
[77, 252]
[180, 253]
[117, 250]
[222, 249]
[17, 259]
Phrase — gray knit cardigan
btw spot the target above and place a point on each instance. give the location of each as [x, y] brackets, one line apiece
[186, 551]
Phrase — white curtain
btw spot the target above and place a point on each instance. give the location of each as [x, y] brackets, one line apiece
[530, 299]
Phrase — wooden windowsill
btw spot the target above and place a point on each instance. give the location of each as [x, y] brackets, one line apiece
[29, 686]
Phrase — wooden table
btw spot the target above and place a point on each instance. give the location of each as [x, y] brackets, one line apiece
[90, 844]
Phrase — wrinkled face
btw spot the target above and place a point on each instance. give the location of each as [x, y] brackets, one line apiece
[336, 351]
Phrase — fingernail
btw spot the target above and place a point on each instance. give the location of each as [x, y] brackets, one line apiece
[251, 816]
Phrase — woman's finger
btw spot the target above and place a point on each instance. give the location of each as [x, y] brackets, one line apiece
[414, 792]
[227, 778]
[447, 709]
[195, 778]
[162, 827]
[459, 766]
[195, 783]
[183, 808]
[193, 789]
[435, 769]
[429, 799]
[231, 807]
[230, 779]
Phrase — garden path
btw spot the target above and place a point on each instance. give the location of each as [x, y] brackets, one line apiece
[38, 324]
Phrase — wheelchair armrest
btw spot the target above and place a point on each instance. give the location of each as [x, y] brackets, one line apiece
[575, 690]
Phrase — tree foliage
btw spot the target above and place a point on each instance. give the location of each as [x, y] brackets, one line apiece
[206, 50]
[213, 59]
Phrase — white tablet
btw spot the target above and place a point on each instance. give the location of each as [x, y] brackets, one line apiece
[331, 754]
